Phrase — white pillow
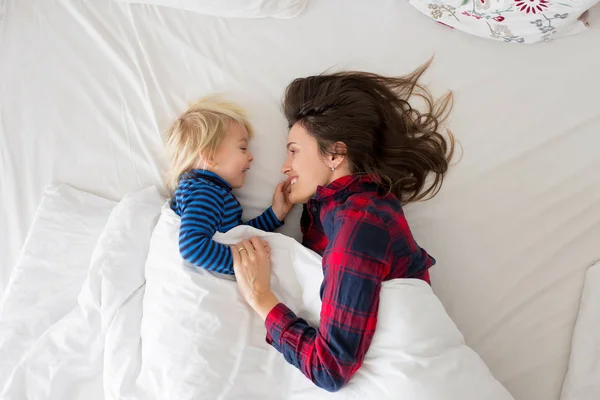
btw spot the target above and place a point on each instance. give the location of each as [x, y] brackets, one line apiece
[234, 8]
[66, 361]
[510, 21]
[50, 270]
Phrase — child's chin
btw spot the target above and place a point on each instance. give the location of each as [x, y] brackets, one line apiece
[240, 182]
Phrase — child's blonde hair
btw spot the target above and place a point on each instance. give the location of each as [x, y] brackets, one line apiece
[197, 133]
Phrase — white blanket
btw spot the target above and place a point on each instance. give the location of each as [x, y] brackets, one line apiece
[583, 377]
[200, 337]
[156, 329]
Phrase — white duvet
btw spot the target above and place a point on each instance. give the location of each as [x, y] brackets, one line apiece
[146, 326]
[582, 381]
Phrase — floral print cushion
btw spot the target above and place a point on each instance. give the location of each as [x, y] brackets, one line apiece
[514, 21]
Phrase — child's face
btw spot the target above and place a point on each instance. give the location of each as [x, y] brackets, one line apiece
[233, 158]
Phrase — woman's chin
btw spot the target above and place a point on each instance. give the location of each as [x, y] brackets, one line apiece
[296, 198]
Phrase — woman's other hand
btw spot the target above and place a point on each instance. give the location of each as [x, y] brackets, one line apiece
[252, 267]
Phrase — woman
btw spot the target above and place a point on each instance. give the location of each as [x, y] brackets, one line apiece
[357, 150]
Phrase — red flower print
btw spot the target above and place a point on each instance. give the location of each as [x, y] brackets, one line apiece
[466, 13]
[499, 18]
[441, 23]
[532, 6]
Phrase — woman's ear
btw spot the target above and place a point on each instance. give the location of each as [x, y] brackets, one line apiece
[337, 154]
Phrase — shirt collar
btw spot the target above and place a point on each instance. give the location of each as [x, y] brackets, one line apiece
[348, 184]
[211, 176]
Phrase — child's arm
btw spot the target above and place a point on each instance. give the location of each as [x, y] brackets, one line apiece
[266, 221]
[273, 217]
[202, 214]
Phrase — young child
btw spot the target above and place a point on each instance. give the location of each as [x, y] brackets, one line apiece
[208, 150]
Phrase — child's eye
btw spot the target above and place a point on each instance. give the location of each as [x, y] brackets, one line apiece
[244, 148]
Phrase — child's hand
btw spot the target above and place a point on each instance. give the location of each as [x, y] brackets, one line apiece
[281, 201]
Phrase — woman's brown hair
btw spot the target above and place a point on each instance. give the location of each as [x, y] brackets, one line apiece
[383, 133]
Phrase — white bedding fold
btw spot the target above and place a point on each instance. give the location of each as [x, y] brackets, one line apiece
[51, 269]
[582, 381]
[66, 361]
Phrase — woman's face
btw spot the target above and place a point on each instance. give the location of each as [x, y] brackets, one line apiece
[305, 166]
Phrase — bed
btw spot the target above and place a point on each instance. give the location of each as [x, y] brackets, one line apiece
[87, 87]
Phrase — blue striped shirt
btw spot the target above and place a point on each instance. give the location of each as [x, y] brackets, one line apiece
[206, 205]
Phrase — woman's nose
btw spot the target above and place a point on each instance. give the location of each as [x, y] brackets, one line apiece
[286, 168]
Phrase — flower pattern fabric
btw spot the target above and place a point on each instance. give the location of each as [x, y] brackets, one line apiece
[510, 21]
[532, 6]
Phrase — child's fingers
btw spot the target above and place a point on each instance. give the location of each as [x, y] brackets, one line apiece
[284, 187]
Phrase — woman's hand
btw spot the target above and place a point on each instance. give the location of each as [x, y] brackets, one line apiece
[252, 267]
[281, 200]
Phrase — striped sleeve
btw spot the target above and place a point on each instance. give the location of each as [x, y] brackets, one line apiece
[267, 221]
[201, 215]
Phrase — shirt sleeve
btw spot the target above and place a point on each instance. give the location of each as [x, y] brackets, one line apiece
[354, 264]
[267, 221]
[201, 215]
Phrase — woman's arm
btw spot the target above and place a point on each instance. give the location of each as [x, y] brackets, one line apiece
[355, 264]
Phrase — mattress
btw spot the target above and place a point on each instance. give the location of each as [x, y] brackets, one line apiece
[87, 87]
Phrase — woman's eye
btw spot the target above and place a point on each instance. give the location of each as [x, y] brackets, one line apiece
[292, 151]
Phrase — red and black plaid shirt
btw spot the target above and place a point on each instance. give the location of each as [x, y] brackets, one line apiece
[364, 239]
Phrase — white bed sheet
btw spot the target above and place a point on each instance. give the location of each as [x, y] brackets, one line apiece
[86, 87]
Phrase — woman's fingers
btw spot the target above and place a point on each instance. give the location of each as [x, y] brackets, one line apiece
[259, 244]
[249, 249]
[235, 254]
[252, 267]
[243, 253]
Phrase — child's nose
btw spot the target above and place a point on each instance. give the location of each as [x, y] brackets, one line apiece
[250, 157]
